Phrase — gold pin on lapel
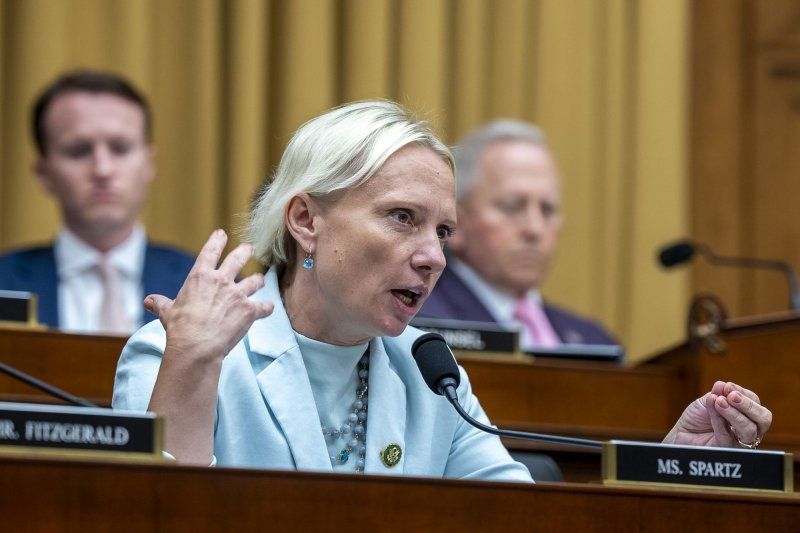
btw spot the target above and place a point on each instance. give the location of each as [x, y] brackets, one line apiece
[391, 455]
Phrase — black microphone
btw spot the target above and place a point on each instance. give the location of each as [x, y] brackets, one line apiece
[439, 370]
[682, 251]
[46, 387]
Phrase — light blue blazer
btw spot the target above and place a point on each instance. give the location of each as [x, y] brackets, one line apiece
[267, 418]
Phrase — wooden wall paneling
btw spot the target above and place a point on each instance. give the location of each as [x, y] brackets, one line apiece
[718, 209]
[776, 171]
[61, 495]
[775, 144]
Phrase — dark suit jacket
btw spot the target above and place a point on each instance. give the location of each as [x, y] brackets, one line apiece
[452, 299]
[34, 270]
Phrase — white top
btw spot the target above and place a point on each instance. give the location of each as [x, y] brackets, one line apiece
[80, 290]
[333, 375]
[499, 304]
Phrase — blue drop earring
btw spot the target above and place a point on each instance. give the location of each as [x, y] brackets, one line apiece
[308, 262]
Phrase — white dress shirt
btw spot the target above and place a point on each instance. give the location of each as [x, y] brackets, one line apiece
[499, 304]
[80, 291]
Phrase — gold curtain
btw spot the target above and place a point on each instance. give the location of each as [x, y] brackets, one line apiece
[230, 80]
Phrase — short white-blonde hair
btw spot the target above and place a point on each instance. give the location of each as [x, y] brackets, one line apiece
[340, 149]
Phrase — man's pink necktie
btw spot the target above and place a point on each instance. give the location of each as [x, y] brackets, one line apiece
[535, 321]
[112, 309]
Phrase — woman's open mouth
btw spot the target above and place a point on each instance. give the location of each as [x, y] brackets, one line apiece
[408, 297]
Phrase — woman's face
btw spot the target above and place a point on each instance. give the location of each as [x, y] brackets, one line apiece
[379, 249]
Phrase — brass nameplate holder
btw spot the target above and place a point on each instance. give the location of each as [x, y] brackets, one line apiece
[18, 309]
[79, 431]
[647, 463]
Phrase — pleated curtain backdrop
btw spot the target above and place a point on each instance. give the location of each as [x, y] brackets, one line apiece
[230, 80]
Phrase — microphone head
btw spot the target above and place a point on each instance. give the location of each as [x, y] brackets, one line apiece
[435, 360]
[676, 253]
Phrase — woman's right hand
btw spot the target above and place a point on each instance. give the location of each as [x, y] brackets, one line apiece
[212, 311]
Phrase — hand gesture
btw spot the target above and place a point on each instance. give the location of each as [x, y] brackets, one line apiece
[728, 416]
[212, 312]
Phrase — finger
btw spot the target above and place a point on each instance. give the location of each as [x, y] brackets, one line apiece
[730, 387]
[157, 304]
[752, 410]
[719, 388]
[235, 261]
[252, 283]
[254, 311]
[718, 424]
[742, 427]
[264, 309]
[209, 255]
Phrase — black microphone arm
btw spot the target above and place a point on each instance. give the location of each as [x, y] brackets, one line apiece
[440, 371]
[785, 267]
[450, 394]
[682, 251]
[46, 387]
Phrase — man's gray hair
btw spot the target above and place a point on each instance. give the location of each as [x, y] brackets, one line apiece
[338, 150]
[468, 151]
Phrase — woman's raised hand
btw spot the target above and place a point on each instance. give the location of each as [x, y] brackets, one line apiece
[212, 311]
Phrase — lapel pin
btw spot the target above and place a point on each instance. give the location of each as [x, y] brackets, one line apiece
[391, 455]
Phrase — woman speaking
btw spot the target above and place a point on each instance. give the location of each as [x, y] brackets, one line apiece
[309, 367]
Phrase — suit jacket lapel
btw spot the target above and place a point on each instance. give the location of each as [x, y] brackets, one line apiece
[453, 299]
[566, 333]
[387, 408]
[285, 386]
[284, 383]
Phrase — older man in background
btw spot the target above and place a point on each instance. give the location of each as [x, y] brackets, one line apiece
[509, 217]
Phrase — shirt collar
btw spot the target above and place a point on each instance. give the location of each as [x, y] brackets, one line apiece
[74, 256]
[499, 304]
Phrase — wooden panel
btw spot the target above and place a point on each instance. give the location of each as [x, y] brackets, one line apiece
[745, 137]
[760, 354]
[589, 400]
[763, 357]
[564, 396]
[83, 365]
[717, 161]
[776, 187]
[52, 495]
[521, 393]
[778, 23]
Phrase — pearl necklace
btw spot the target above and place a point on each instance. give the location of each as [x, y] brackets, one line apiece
[354, 429]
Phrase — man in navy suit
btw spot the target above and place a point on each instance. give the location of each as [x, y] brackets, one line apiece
[92, 132]
[509, 217]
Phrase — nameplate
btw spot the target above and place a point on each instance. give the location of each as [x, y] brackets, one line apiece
[18, 308]
[472, 336]
[637, 463]
[611, 353]
[88, 431]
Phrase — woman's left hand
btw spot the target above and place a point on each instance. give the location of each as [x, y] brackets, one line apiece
[728, 416]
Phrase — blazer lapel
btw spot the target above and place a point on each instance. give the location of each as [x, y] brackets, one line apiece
[285, 386]
[387, 408]
[284, 383]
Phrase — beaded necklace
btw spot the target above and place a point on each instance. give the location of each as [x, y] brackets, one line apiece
[354, 429]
